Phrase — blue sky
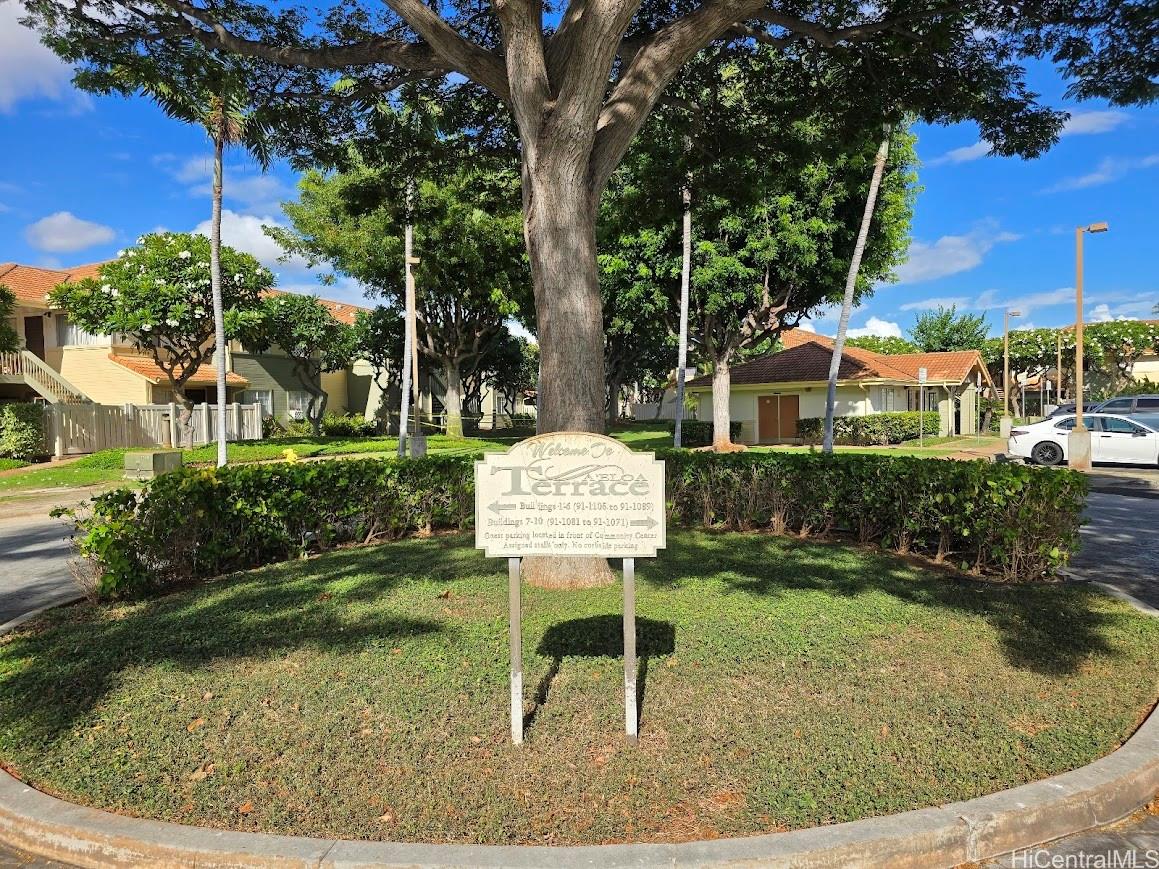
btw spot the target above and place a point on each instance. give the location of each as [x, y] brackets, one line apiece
[83, 176]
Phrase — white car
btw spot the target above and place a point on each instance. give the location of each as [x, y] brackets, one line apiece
[1127, 440]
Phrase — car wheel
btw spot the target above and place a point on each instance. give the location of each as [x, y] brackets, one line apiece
[1046, 453]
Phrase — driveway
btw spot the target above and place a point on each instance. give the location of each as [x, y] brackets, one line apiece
[1120, 545]
[34, 553]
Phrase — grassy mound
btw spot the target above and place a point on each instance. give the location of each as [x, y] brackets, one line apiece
[363, 695]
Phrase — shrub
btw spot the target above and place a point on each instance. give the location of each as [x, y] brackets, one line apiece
[21, 431]
[876, 429]
[12, 464]
[1016, 522]
[196, 523]
[698, 433]
[350, 425]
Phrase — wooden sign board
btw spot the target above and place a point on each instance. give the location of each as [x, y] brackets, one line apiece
[569, 494]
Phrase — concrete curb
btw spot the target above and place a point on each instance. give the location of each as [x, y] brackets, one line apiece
[1099, 793]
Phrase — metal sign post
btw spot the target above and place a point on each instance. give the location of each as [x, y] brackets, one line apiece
[570, 494]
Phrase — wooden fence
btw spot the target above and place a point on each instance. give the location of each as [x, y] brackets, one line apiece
[76, 429]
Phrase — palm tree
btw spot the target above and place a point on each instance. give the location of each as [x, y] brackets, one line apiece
[851, 283]
[216, 98]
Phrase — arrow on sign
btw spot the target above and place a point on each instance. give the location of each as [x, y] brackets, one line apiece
[647, 523]
[496, 507]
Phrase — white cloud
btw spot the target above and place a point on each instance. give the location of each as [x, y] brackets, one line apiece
[244, 232]
[1090, 123]
[1100, 314]
[936, 302]
[963, 155]
[877, 327]
[806, 326]
[64, 232]
[1109, 169]
[29, 70]
[258, 193]
[951, 254]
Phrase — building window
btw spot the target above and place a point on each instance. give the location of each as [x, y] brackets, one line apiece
[69, 334]
[264, 397]
[297, 400]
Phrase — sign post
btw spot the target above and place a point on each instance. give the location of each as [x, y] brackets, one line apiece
[570, 494]
[922, 377]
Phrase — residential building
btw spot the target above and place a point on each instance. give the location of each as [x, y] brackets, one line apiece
[770, 394]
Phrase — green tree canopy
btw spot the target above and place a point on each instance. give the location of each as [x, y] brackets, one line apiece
[158, 294]
[472, 274]
[945, 329]
[777, 194]
[9, 339]
[887, 344]
[316, 342]
[579, 83]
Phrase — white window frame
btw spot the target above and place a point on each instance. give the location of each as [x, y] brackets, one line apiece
[297, 402]
[263, 397]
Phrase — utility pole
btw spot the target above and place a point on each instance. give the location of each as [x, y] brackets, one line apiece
[1058, 368]
[685, 276]
[407, 342]
[1079, 440]
[1005, 424]
[418, 443]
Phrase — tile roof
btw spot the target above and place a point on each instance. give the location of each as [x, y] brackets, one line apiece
[806, 358]
[147, 368]
[31, 283]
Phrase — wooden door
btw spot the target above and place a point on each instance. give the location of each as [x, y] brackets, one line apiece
[789, 413]
[768, 418]
[34, 336]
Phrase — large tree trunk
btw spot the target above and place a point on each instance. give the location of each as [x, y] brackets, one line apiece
[453, 402]
[850, 285]
[559, 223]
[215, 286]
[721, 387]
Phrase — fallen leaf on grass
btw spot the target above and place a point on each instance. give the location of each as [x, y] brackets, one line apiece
[443, 595]
[202, 772]
[246, 807]
[194, 724]
[387, 817]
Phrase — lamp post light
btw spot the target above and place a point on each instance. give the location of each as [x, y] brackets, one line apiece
[1079, 439]
[1004, 424]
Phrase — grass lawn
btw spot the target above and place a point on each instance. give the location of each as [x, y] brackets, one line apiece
[363, 694]
[107, 466]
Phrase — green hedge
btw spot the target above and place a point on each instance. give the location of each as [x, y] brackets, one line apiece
[350, 425]
[698, 433]
[21, 431]
[876, 429]
[1012, 521]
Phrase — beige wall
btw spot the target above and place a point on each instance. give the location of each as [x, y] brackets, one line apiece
[91, 371]
[1146, 367]
[334, 385]
[851, 401]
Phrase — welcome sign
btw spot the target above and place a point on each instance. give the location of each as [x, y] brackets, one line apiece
[569, 494]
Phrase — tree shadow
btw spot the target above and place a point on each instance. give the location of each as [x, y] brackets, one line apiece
[600, 637]
[1049, 628]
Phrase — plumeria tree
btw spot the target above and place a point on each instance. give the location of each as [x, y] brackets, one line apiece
[316, 342]
[1110, 351]
[887, 344]
[159, 294]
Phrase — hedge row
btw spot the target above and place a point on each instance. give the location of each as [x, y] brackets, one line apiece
[698, 433]
[1008, 520]
[876, 429]
[21, 431]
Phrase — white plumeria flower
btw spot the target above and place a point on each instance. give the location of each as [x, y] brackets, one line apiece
[170, 322]
[185, 254]
[147, 327]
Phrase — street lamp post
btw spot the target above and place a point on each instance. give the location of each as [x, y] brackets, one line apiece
[1005, 424]
[1079, 439]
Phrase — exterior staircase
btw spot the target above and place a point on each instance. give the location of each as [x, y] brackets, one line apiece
[23, 367]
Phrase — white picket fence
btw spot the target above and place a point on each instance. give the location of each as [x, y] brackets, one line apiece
[76, 429]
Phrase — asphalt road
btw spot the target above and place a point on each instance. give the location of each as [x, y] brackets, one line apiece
[34, 554]
[1120, 545]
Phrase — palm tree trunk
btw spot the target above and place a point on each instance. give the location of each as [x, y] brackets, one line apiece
[215, 287]
[685, 275]
[850, 285]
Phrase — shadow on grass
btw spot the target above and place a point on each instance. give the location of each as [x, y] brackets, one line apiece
[57, 672]
[1048, 628]
[600, 637]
